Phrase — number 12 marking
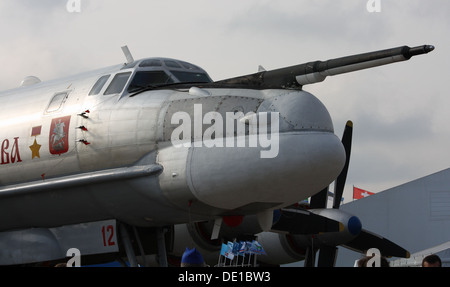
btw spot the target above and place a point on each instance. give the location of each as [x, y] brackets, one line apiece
[108, 231]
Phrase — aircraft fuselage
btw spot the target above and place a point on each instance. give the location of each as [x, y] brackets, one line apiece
[66, 144]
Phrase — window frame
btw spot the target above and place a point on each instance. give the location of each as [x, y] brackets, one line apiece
[122, 85]
[99, 85]
[57, 102]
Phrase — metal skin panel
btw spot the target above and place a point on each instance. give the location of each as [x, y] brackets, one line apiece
[46, 244]
[217, 176]
[18, 163]
[26, 246]
[173, 180]
[119, 133]
[305, 125]
[217, 102]
[292, 175]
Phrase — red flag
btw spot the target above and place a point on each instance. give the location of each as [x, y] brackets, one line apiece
[360, 193]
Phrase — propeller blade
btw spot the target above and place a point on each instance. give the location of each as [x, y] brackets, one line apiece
[300, 221]
[340, 181]
[366, 240]
[310, 257]
[327, 256]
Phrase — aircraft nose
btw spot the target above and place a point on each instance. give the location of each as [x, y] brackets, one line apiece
[299, 111]
[305, 157]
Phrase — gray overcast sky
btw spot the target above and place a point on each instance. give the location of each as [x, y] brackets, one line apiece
[400, 112]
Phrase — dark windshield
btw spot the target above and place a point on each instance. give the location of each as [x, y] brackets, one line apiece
[191, 77]
[145, 79]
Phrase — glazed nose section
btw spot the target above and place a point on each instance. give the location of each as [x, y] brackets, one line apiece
[299, 111]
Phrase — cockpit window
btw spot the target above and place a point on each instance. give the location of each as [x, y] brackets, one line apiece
[118, 83]
[99, 85]
[172, 64]
[191, 77]
[145, 79]
[151, 63]
[189, 66]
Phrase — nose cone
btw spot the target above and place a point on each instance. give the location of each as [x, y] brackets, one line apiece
[307, 157]
[354, 225]
[230, 178]
[300, 111]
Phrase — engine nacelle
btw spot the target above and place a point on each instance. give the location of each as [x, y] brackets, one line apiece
[281, 248]
[195, 235]
[198, 234]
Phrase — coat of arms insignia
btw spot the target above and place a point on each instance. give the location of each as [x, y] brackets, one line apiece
[59, 135]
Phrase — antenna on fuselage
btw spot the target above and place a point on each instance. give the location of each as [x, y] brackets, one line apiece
[127, 54]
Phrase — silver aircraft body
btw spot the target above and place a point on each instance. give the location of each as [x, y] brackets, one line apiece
[155, 143]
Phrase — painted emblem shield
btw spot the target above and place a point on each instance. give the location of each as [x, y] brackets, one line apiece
[59, 135]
